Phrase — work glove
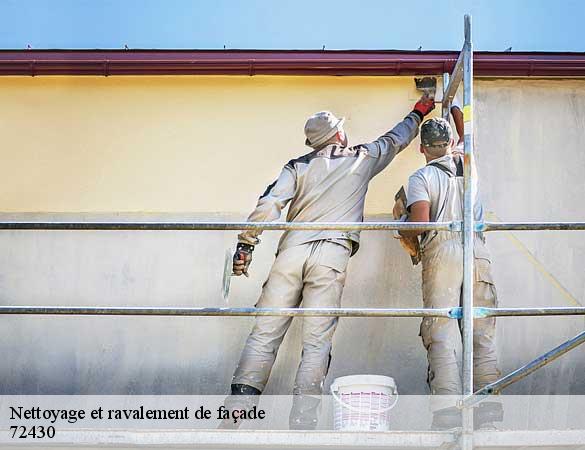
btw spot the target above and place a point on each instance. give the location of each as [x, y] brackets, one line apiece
[424, 106]
[242, 259]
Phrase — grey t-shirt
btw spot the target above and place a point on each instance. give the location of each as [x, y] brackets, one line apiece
[430, 184]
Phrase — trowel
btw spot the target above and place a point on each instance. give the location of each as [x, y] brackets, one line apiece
[227, 275]
[426, 85]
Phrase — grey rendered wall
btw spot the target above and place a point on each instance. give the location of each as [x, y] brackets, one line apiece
[530, 154]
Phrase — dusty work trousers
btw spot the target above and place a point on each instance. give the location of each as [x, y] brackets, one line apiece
[313, 273]
[442, 283]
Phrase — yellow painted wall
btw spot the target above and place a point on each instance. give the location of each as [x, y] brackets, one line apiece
[176, 144]
[212, 144]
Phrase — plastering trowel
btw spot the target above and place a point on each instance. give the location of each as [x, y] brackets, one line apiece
[227, 275]
[426, 85]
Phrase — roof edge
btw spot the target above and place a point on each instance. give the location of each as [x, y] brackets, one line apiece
[285, 62]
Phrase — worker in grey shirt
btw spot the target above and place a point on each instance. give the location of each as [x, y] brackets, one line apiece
[435, 194]
[328, 184]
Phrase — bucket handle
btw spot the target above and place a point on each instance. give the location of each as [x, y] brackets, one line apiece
[354, 409]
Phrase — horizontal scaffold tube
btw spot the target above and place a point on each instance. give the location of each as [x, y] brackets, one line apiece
[278, 226]
[529, 226]
[480, 312]
[177, 311]
[451, 313]
[191, 226]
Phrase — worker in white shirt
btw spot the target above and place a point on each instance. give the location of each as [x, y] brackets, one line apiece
[435, 194]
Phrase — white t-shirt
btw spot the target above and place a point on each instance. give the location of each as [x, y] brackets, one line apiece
[430, 184]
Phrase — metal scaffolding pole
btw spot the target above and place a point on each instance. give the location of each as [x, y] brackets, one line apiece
[468, 209]
[446, 104]
[468, 233]
[449, 313]
[481, 312]
[224, 226]
[234, 312]
[279, 226]
[525, 370]
[454, 80]
[530, 226]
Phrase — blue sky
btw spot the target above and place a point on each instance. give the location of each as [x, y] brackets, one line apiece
[529, 25]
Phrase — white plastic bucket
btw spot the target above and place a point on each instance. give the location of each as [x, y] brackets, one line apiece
[363, 402]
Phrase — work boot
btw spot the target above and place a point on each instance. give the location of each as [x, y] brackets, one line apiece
[446, 419]
[242, 397]
[244, 389]
[484, 417]
[486, 414]
[304, 412]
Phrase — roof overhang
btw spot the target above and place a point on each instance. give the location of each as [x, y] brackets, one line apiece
[284, 62]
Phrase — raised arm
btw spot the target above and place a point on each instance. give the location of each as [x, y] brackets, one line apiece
[458, 149]
[457, 114]
[269, 207]
[458, 119]
[387, 146]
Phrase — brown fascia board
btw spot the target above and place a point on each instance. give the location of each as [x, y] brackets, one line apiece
[284, 62]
